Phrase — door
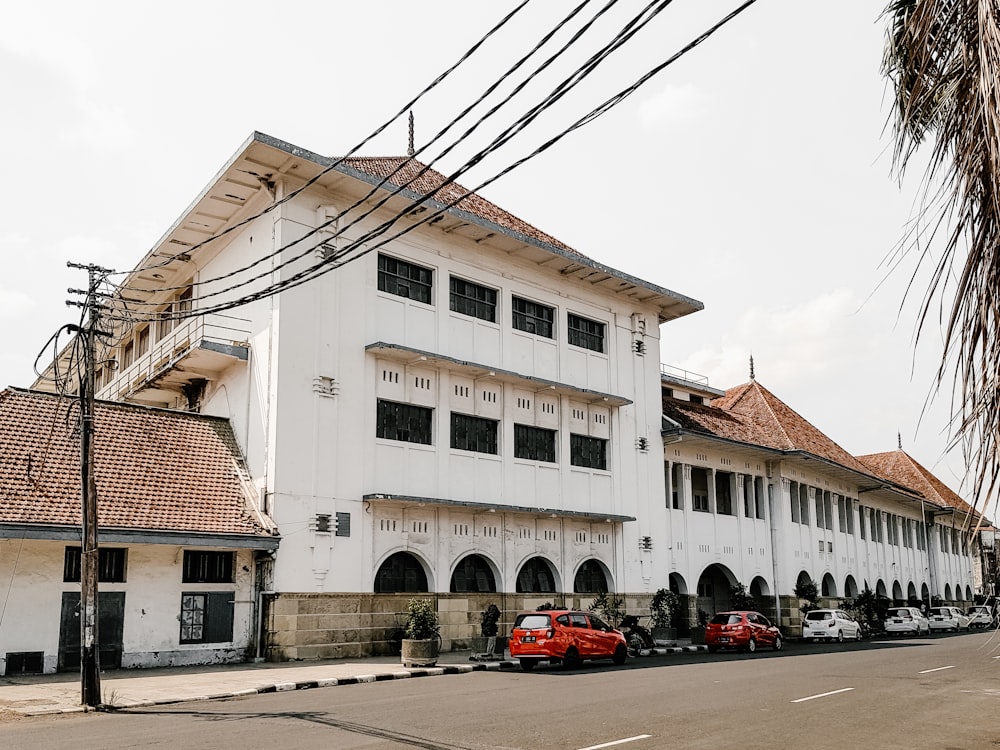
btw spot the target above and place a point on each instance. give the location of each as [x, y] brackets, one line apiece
[110, 629]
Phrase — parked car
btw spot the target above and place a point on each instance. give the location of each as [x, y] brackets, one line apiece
[899, 620]
[830, 625]
[568, 636]
[947, 618]
[741, 630]
[980, 616]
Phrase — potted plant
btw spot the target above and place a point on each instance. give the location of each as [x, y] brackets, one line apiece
[487, 646]
[422, 641]
[698, 632]
[663, 610]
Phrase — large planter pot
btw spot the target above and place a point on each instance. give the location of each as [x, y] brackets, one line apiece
[698, 635]
[422, 653]
[482, 648]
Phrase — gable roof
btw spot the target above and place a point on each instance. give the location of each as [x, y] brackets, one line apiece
[157, 471]
[899, 466]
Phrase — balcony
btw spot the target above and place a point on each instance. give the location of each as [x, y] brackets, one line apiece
[197, 350]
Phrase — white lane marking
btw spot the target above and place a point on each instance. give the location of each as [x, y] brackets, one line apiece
[821, 695]
[936, 669]
[618, 742]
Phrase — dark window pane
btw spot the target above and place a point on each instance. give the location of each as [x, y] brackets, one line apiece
[474, 300]
[590, 579]
[588, 452]
[532, 317]
[585, 333]
[110, 565]
[405, 422]
[208, 566]
[473, 433]
[400, 573]
[473, 574]
[534, 443]
[405, 279]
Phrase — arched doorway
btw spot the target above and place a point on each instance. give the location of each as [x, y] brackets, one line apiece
[925, 593]
[897, 593]
[850, 587]
[880, 590]
[677, 584]
[911, 595]
[536, 576]
[473, 574]
[828, 587]
[968, 593]
[947, 592]
[401, 573]
[714, 587]
[591, 578]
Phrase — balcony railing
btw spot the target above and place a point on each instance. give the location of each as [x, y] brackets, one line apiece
[676, 372]
[215, 340]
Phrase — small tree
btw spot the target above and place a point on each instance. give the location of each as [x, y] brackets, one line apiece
[544, 607]
[739, 599]
[421, 620]
[610, 607]
[868, 609]
[664, 608]
[807, 590]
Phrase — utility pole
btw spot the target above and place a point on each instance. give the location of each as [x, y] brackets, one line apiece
[90, 666]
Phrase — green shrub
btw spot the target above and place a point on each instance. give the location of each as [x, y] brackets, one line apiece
[664, 608]
[421, 620]
[488, 621]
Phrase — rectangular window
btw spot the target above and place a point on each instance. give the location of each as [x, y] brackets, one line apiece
[405, 279]
[861, 521]
[793, 494]
[828, 510]
[532, 317]
[676, 483]
[758, 483]
[585, 333]
[723, 493]
[405, 422]
[207, 617]
[473, 299]
[804, 504]
[534, 443]
[208, 566]
[699, 489]
[588, 452]
[142, 342]
[473, 433]
[110, 565]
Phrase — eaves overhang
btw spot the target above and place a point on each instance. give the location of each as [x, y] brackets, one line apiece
[411, 356]
[107, 535]
[480, 507]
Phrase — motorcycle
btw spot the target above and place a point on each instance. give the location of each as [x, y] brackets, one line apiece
[637, 637]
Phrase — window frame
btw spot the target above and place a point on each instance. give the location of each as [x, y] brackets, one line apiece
[586, 452]
[217, 617]
[405, 275]
[208, 566]
[586, 333]
[409, 423]
[526, 448]
[112, 564]
[481, 304]
[532, 320]
[475, 434]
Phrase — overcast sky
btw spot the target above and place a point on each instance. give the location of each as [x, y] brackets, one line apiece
[753, 175]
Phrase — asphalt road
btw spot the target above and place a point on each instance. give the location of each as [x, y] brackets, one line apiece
[937, 692]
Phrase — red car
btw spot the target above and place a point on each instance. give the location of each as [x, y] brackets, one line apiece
[741, 630]
[564, 635]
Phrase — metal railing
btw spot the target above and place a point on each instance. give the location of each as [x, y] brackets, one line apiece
[681, 374]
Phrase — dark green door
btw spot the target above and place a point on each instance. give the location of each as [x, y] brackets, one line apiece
[110, 628]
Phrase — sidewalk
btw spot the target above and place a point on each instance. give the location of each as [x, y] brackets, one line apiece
[37, 695]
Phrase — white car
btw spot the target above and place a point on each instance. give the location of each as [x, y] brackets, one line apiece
[899, 620]
[830, 625]
[947, 618]
[980, 616]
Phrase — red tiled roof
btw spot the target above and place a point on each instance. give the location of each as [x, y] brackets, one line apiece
[898, 466]
[155, 469]
[435, 183]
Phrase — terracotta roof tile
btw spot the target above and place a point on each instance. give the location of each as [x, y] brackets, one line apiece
[155, 469]
[898, 466]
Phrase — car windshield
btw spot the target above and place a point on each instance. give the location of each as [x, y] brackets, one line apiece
[978, 611]
[899, 613]
[941, 611]
[819, 615]
[726, 619]
[532, 622]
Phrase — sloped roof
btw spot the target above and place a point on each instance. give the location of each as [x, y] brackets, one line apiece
[400, 170]
[750, 413]
[156, 470]
[899, 466]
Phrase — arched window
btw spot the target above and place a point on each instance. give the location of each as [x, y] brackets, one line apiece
[473, 575]
[400, 573]
[535, 577]
[590, 579]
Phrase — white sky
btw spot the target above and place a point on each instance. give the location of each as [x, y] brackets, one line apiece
[753, 175]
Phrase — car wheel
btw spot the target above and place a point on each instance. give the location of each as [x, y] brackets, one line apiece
[528, 664]
[571, 658]
[840, 636]
[857, 634]
[635, 644]
[621, 653]
[751, 645]
[778, 643]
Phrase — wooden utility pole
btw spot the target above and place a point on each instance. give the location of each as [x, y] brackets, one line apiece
[90, 664]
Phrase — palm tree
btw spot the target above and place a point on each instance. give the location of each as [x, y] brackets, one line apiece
[942, 59]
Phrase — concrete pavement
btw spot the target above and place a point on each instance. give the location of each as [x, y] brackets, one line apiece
[37, 695]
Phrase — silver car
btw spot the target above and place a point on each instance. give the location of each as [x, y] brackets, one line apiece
[830, 625]
[980, 616]
[900, 620]
[947, 618]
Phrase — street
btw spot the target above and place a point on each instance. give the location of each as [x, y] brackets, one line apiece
[941, 691]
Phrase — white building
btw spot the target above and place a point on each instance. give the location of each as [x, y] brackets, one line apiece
[179, 537]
